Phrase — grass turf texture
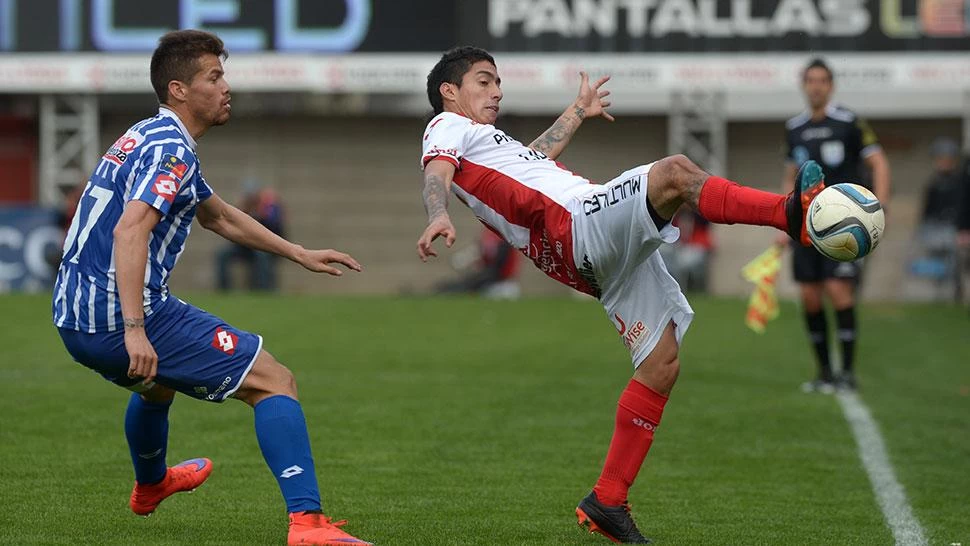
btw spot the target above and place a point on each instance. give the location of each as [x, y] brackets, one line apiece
[459, 421]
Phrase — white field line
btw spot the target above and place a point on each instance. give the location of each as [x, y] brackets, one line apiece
[906, 529]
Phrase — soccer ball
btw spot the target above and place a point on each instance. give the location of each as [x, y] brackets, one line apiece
[845, 222]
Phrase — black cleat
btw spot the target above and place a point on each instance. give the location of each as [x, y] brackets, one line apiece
[809, 181]
[824, 383]
[846, 382]
[613, 522]
[824, 386]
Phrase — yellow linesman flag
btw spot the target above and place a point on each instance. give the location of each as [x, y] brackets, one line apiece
[763, 272]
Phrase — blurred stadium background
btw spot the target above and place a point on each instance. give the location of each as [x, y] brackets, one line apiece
[329, 103]
[440, 430]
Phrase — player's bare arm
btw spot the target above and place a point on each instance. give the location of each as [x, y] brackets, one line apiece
[235, 225]
[437, 184]
[131, 255]
[589, 103]
[881, 186]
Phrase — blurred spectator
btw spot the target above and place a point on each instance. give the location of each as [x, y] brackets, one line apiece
[65, 215]
[492, 270]
[963, 236]
[264, 205]
[72, 196]
[942, 198]
[936, 256]
[689, 259]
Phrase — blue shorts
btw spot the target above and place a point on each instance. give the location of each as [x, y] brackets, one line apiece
[198, 353]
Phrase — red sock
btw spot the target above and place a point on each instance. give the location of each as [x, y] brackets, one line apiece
[637, 416]
[726, 202]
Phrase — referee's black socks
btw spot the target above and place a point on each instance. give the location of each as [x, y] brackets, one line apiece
[818, 333]
[845, 319]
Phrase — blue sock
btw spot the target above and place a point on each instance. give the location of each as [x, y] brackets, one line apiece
[281, 432]
[146, 428]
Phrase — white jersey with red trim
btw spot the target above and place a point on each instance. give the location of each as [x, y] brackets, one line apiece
[517, 192]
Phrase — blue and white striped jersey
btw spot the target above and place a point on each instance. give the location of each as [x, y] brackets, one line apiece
[154, 162]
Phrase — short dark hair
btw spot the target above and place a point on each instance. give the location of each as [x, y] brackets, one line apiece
[451, 68]
[177, 57]
[817, 62]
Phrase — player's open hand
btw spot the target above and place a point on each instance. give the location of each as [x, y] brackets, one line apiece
[142, 359]
[592, 99]
[319, 261]
[439, 227]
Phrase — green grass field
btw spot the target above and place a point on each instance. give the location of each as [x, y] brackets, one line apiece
[459, 421]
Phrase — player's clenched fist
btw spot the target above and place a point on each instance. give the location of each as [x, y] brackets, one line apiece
[439, 227]
[143, 362]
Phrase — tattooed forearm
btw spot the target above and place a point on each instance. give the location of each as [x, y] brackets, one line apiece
[554, 140]
[435, 196]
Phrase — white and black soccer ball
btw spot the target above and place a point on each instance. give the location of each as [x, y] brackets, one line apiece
[845, 222]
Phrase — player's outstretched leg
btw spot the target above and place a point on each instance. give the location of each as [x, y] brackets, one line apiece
[606, 510]
[146, 429]
[282, 434]
[808, 183]
[675, 180]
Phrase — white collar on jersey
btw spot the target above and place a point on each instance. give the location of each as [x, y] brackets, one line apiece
[164, 111]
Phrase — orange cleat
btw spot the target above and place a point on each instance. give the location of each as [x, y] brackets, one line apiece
[313, 528]
[185, 476]
[808, 183]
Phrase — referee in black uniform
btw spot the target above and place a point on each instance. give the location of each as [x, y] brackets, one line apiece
[841, 143]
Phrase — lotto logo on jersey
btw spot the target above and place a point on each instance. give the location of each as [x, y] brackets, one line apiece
[225, 341]
[174, 166]
[165, 186]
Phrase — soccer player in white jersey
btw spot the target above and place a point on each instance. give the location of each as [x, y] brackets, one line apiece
[600, 239]
[113, 310]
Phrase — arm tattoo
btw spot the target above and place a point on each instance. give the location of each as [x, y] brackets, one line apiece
[435, 196]
[134, 323]
[555, 137]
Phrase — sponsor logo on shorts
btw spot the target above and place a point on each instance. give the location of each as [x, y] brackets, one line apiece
[616, 193]
[634, 335]
[225, 341]
[222, 386]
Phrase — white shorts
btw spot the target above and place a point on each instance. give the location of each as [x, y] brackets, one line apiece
[615, 247]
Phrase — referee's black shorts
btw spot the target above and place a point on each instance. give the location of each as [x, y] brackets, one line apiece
[809, 265]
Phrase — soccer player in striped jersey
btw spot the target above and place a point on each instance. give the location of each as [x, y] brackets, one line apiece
[600, 239]
[114, 312]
